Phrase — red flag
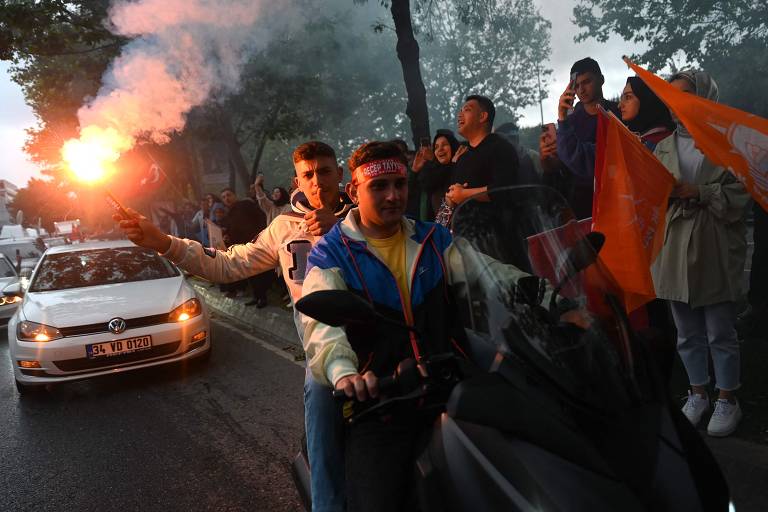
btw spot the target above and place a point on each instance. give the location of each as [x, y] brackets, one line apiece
[631, 192]
[729, 137]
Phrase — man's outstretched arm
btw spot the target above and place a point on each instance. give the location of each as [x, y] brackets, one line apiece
[239, 262]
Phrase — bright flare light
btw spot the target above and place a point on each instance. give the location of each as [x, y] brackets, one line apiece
[91, 157]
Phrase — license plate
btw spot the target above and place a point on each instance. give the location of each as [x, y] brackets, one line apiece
[118, 347]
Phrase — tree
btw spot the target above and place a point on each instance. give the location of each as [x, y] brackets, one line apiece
[408, 54]
[44, 202]
[727, 37]
[59, 52]
[489, 47]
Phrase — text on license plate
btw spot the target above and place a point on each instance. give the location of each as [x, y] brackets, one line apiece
[117, 347]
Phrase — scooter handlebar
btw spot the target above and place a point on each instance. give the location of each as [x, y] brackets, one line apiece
[385, 384]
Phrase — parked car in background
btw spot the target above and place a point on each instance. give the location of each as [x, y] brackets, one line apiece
[8, 276]
[26, 251]
[55, 241]
[103, 307]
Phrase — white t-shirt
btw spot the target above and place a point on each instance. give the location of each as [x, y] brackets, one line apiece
[689, 158]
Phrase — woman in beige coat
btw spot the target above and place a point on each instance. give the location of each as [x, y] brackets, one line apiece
[699, 269]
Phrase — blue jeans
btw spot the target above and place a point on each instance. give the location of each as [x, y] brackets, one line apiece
[325, 446]
[708, 331]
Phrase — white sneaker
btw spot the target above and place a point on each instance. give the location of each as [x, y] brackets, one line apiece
[724, 419]
[695, 407]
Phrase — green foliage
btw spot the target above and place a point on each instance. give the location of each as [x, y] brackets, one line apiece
[488, 47]
[60, 51]
[697, 28]
[729, 38]
[44, 200]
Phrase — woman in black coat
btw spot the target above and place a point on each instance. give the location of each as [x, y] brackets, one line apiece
[433, 167]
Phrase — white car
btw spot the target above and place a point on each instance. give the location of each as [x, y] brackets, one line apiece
[103, 307]
[8, 276]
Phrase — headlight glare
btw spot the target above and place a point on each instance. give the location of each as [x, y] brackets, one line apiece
[31, 331]
[189, 309]
[13, 299]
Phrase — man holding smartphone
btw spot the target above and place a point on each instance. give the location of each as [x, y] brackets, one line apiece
[577, 130]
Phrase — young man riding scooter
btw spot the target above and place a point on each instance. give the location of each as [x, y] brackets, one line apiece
[396, 264]
[317, 205]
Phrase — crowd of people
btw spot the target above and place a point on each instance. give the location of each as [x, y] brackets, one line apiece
[240, 221]
[397, 209]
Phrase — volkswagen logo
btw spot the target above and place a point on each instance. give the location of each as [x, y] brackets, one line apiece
[116, 325]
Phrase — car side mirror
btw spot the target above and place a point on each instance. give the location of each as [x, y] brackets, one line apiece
[13, 290]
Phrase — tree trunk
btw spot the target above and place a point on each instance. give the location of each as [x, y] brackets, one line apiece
[236, 159]
[257, 158]
[408, 54]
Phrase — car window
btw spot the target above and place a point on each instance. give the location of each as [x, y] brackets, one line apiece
[26, 250]
[98, 267]
[5, 269]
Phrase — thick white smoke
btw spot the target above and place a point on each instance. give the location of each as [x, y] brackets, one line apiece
[182, 52]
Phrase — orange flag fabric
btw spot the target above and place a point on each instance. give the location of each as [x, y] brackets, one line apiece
[631, 193]
[727, 136]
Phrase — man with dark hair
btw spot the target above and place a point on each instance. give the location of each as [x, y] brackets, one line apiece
[487, 160]
[317, 205]
[577, 130]
[375, 253]
[243, 221]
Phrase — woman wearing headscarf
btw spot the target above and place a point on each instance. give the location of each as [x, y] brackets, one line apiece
[700, 266]
[274, 204]
[644, 113]
[433, 167]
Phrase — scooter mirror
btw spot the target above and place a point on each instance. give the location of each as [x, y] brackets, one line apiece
[584, 252]
[580, 256]
[337, 308]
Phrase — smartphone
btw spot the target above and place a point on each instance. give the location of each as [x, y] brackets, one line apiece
[549, 131]
[425, 142]
[572, 83]
[572, 86]
[115, 204]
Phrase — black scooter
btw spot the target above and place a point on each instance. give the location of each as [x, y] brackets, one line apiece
[572, 420]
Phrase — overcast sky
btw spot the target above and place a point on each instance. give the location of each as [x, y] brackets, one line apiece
[16, 115]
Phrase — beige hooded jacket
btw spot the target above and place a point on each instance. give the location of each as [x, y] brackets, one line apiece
[702, 260]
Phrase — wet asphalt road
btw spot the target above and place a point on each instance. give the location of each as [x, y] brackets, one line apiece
[192, 437]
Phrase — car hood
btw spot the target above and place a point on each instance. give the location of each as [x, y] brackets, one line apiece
[94, 304]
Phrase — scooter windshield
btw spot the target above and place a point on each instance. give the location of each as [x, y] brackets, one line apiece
[529, 284]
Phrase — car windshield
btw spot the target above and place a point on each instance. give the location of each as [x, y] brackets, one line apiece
[98, 267]
[6, 270]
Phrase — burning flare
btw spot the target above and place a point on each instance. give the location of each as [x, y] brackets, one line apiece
[91, 157]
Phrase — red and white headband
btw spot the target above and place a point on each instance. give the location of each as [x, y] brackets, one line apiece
[378, 168]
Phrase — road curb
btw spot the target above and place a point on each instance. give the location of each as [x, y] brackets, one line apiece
[270, 322]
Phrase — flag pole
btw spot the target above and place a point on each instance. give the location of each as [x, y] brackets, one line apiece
[541, 104]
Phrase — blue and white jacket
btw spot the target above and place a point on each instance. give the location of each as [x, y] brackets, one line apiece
[342, 260]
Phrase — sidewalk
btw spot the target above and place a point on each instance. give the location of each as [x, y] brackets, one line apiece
[273, 323]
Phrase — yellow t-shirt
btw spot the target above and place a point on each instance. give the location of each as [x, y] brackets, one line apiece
[392, 252]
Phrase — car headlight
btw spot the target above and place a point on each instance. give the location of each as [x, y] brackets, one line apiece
[31, 331]
[9, 300]
[189, 309]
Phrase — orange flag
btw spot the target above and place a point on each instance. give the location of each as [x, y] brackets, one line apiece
[727, 136]
[631, 192]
